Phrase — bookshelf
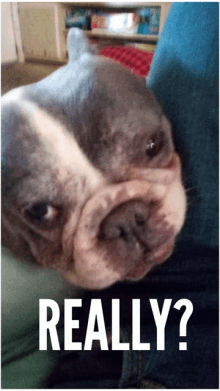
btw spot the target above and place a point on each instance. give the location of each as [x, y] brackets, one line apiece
[99, 34]
[44, 33]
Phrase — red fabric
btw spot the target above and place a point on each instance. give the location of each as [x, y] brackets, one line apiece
[134, 59]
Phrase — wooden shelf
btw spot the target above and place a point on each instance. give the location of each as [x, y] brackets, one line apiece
[111, 5]
[139, 38]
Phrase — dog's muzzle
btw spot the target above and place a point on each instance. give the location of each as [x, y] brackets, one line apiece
[125, 229]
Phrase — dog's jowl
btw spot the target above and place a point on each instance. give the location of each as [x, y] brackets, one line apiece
[91, 182]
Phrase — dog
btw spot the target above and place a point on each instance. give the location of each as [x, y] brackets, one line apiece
[91, 182]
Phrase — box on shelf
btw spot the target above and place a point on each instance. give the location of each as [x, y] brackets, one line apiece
[113, 22]
[149, 22]
[78, 18]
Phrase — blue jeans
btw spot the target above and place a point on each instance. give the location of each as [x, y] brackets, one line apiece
[184, 78]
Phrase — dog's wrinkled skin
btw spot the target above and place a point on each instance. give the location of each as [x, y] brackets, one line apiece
[91, 184]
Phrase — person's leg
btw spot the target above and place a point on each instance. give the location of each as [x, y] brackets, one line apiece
[184, 77]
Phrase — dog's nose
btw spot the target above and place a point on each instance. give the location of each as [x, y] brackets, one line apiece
[127, 222]
[135, 226]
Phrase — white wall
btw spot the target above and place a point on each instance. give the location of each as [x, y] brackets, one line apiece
[8, 48]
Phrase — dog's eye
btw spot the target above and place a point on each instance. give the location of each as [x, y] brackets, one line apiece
[154, 144]
[41, 211]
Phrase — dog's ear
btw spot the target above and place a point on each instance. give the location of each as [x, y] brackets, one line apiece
[77, 44]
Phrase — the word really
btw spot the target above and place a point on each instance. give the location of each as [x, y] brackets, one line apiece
[96, 317]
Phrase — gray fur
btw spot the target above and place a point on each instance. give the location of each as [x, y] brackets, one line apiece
[107, 112]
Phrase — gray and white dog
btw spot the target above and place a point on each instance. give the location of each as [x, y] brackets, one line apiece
[91, 182]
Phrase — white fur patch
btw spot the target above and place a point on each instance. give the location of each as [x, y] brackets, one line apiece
[174, 206]
[14, 95]
[62, 149]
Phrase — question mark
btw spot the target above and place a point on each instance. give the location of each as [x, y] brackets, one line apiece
[185, 317]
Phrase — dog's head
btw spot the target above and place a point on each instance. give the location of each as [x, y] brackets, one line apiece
[91, 183]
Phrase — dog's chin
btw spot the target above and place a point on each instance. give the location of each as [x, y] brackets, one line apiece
[103, 276]
[149, 261]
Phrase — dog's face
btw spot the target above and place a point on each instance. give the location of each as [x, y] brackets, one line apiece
[91, 184]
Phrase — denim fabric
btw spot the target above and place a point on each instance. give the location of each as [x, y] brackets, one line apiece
[184, 77]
